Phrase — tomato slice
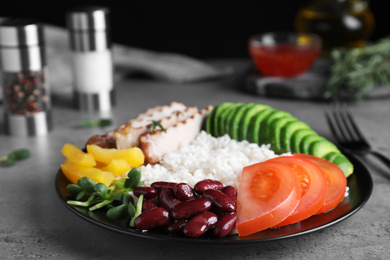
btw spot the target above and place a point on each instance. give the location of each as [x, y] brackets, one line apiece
[267, 194]
[336, 180]
[313, 186]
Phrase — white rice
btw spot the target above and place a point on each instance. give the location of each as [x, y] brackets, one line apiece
[207, 157]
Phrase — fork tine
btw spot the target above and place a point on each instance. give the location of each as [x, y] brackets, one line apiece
[333, 122]
[352, 126]
[341, 123]
[342, 120]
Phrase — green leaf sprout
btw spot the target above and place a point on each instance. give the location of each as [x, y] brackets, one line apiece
[138, 210]
[116, 198]
[16, 155]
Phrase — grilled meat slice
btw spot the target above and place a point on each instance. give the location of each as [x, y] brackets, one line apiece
[154, 145]
[127, 135]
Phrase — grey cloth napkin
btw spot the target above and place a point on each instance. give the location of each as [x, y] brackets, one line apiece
[171, 67]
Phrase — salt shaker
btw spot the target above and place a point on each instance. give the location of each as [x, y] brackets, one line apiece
[24, 78]
[91, 58]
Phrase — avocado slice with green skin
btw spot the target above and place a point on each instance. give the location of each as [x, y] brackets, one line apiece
[265, 125]
[231, 117]
[246, 119]
[222, 120]
[331, 156]
[344, 163]
[217, 116]
[224, 117]
[287, 131]
[245, 122]
[297, 137]
[234, 123]
[255, 124]
[322, 147]
[210, 121]
[274, 131]
[307, 141]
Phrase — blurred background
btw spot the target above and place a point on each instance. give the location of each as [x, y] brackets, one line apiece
[201, 29]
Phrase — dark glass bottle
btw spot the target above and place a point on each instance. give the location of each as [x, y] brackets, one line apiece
[340, 23]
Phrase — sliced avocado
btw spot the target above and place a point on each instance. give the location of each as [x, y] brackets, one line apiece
[225, 116]
[255, 124]
[322, 147]
[307, 141]
[344, 163]
[331, 156]
[234, 123]
[275, 130]
[287, 131]
[217, 116]
[210, 121]
[266, 122]
[235, 110]
[297, 138]
[246, 118]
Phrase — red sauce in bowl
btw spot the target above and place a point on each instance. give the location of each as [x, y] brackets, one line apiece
[284, 59]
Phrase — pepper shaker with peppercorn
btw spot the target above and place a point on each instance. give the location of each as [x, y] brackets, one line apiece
[24, 78]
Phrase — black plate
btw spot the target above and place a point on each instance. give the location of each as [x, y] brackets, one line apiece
[360, 187]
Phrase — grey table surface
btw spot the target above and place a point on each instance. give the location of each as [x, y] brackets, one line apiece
[35, 224]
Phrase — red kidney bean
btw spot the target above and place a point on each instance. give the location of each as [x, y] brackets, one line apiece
[148, 204]
[176, 227]
[220, 200]
[148, 192]
[183, 191]
[199, 224]
[231, 192]
[218, 212]
[159, 185]
[189, 208]
[225, 225]
[206, 185]
[166, 199]
[157, 217]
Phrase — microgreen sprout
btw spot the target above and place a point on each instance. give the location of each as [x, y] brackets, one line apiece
[134, 177]
[138, 210]
[116, 198]
[99, 122]
[14, 156]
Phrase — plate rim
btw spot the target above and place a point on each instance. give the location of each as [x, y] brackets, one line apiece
[368, 182]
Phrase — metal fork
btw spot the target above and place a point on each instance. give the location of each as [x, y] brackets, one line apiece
[347, 133]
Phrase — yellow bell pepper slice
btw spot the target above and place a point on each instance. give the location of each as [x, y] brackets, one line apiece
[133, 156]
[74, 154]
[117, 166]
[73, 172]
